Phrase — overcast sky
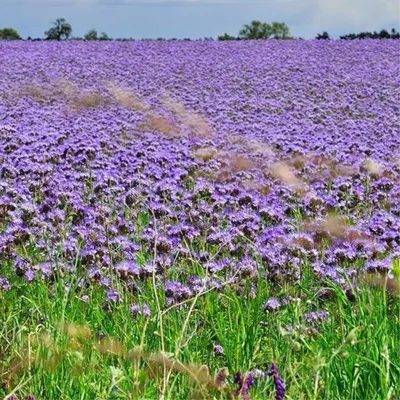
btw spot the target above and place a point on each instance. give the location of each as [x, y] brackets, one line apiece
[198, 18]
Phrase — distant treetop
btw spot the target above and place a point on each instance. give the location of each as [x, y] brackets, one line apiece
[9, 34]
[323, 36]
[61, 30]
[383, 34]
[262, 30]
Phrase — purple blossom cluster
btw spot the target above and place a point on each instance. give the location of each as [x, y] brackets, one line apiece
[98, 171]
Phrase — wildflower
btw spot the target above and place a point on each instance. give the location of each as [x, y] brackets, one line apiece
[245, 383]
[317, 316]
[272, 304]
[4, 285]
[221, 377]
[144, 310]
[279, 382]
[113, 296]
[218, 350]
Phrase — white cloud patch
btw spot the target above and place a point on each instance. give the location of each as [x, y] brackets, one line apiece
[355, 14]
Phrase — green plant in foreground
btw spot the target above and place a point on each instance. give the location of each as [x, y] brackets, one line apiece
[55, 343]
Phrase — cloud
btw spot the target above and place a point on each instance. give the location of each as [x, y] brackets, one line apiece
[356, 14]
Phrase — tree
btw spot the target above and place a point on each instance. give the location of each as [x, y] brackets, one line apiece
[350, 36]
[103, 36]
[279, 30]
[61, 30]
[384, 34]
[255, 30]
[9, 34]
[394, 34]
[91, 35]
[323, 36]
[225, 36]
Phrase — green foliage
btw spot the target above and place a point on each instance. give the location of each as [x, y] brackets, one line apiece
[262, 30]
[91, 35]
[279, 30]
[383, 34]
[323, 36]
[226, 36]
[104, 36]
[255, 30]
[58, 341]
[9, 34]
[61, 30]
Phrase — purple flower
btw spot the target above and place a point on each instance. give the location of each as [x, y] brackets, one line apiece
[279, 383]
[4, 285]
[177, 291]
[218, 350]
[221, 377]
[245, 383]
[272, 304]
[137, 309]
[113, 296]
[385, 265]
[317, 316]
[127, 269]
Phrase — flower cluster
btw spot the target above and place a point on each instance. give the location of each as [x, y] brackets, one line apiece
[112, 167]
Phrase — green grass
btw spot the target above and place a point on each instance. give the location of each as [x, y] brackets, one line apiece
[353, 355]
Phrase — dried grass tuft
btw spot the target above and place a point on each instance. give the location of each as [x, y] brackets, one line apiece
[126, 98]
[257, 147]
[160, 124]
[195, 123]
[336, 226]
[112, 347]
[238, 163]
[372, 167]
[206, 153]
[381, 280]
[282, 172]
[75, 331]
[87, 99]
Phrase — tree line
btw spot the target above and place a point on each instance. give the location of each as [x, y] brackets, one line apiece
[383, 34]
[61, 30]
[255, 30]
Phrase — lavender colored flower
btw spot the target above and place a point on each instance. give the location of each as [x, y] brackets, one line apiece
[113, 296]
[385, 265]
[279, 383]
[320, 316]
[143, 310]
[218, 350]
[4, 285]
[245, 383]
[272, 304]
[221, 377]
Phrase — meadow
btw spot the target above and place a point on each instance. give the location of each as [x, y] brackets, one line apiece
[200, 220]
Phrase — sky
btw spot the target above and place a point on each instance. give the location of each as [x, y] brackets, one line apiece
[198, 18]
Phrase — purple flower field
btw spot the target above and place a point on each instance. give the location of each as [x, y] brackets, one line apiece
[80, 166]
[200, 165]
